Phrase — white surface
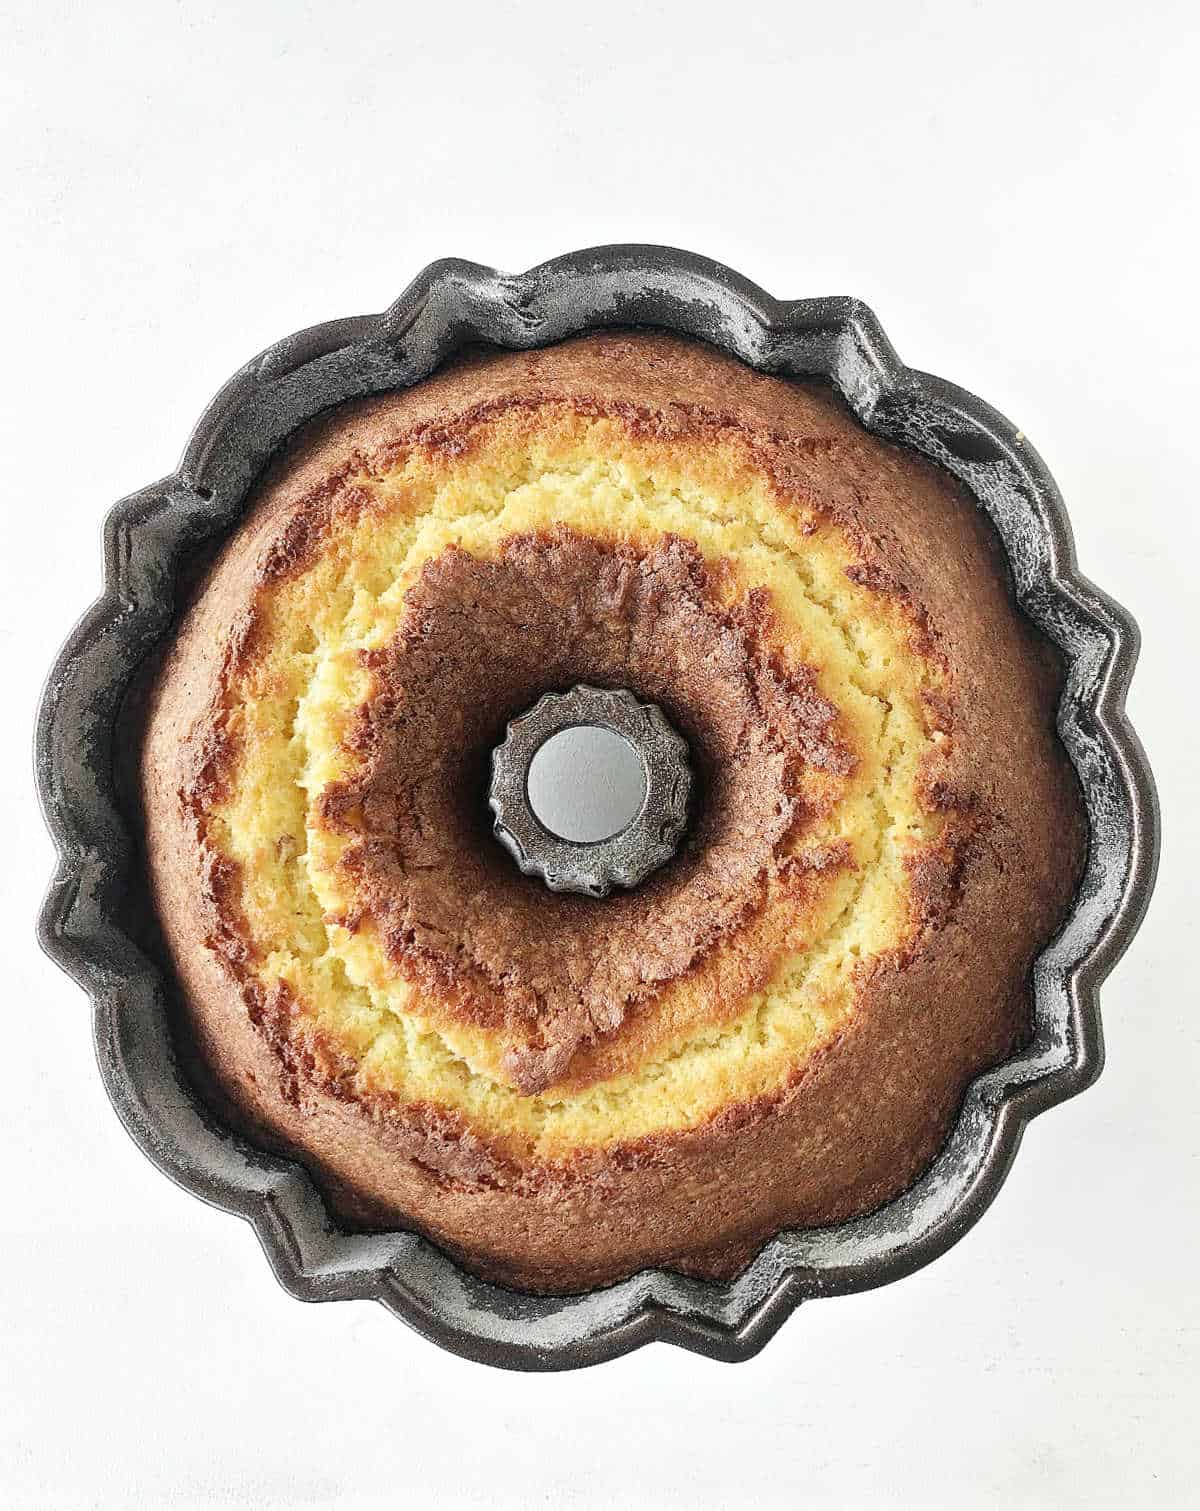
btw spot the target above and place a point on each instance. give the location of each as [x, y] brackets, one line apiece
[1013, 188]
[586, 783]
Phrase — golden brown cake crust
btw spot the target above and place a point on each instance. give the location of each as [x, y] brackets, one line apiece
[572, 987]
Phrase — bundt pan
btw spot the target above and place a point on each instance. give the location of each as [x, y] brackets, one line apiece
[94, 921]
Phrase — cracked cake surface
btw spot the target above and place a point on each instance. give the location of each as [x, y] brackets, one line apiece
[776, 1027]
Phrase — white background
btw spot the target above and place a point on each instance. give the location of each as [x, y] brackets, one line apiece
[1013, 188]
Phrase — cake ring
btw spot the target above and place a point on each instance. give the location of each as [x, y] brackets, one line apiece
[775, 1023]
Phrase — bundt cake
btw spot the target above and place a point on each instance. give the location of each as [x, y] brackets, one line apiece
[777, 1026]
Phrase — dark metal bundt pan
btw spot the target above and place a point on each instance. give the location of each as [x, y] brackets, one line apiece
[149, 535]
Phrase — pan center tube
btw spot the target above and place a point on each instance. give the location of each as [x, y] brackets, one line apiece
[590, 790]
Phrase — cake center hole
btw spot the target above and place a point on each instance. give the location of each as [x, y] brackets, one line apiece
[586, 784]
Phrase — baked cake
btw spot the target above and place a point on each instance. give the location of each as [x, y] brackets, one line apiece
[777, 1027]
